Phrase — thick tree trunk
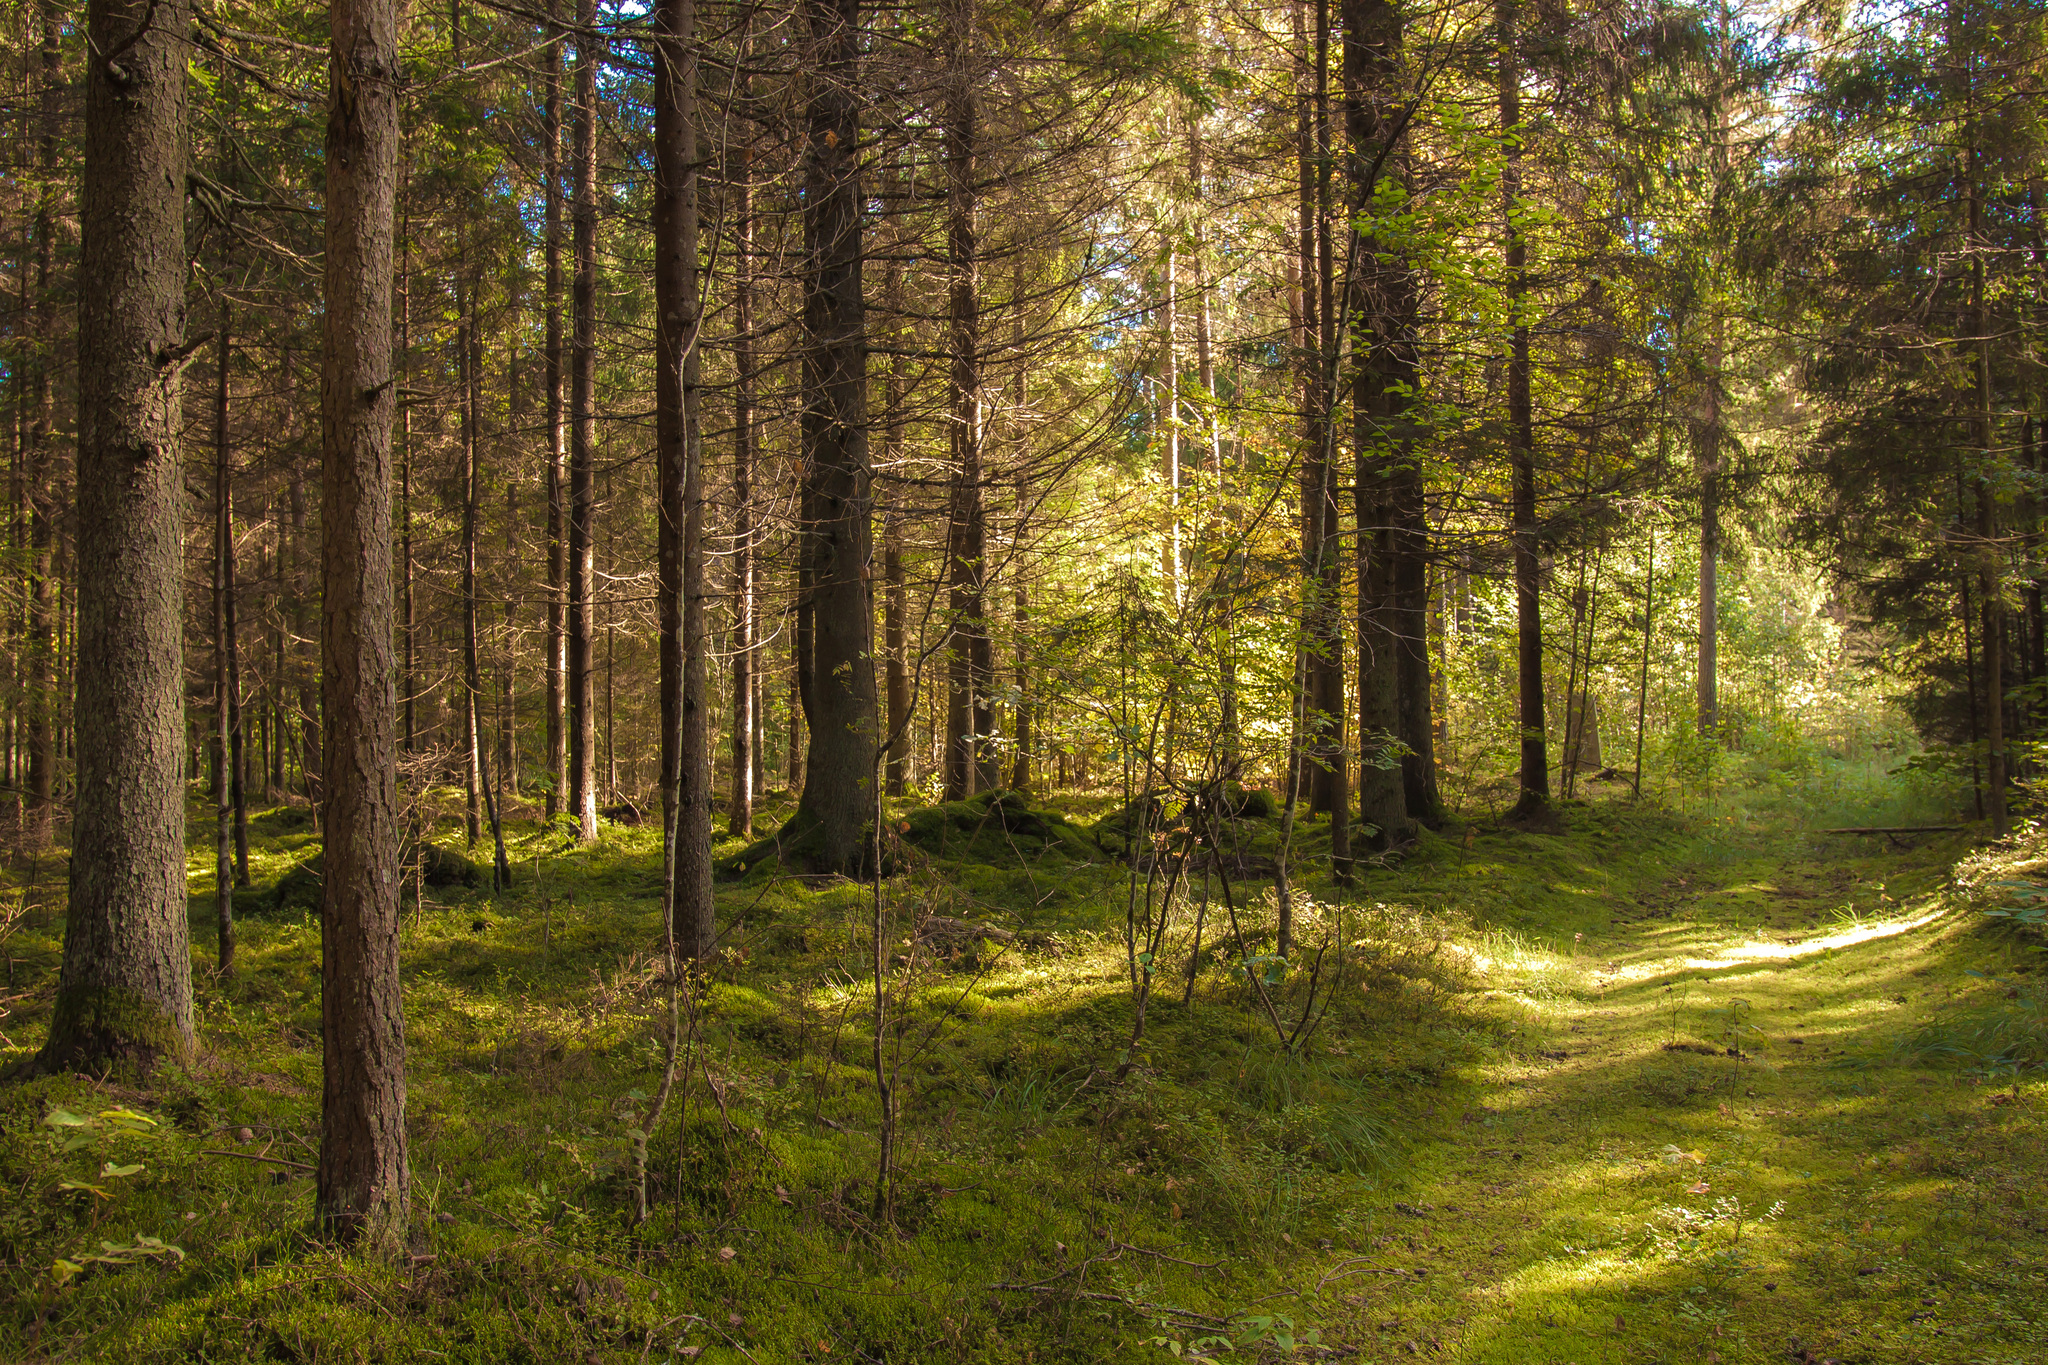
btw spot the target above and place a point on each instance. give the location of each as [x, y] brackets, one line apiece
[124, 993]
[1521, 439]
[838, 792]
[1393, 660]
[679, 473]
[363, 1185]
[583, 435]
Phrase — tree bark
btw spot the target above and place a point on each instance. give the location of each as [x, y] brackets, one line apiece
[1521, 434]
[124, 992]
[472, 668]
[1393, 663]
[896, 599]
[38, 453]
[679, 465]
[408, 619]
[362, 1186]
[1990, 579]
[224, 717]
[1327, 767]
[837, 793]
[583, 434]
[970, 761]
[551, 161]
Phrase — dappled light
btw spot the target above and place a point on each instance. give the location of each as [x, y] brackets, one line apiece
[1015, 683]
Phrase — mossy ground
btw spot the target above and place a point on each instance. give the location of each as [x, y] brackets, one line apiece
[1520, 1135]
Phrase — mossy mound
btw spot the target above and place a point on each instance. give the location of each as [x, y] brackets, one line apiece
[1243, 807]
[993, 827]
[299, 888]
[797, 846]
[996, 828]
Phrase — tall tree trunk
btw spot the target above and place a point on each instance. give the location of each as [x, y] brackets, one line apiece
[551, 161]
[1322, 567]
[583, 433]
[363, 1186]
[1990, 579]
[837, 789]
[1709, 435]
[969, 714]
[679, 466]
[507, 774]
[39, 455]
[1170, 474]
[740, 808]
[472, 669]
[223, 705]
[1521, 434]
[124, 993]
[408, 616]
[1707, 439]
[306, 663]
[1231, 740]
[1392, 548]
[896, 599]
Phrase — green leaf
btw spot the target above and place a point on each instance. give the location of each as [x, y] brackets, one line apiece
[110, 1169]
[128, 1118]
[64, 1118]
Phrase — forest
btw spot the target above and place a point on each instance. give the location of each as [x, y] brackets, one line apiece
[1024, 681]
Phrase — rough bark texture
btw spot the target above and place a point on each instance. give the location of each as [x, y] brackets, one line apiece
[679, 473]
[583, 435]
[1384, 375]
[124, 994]
[362, 1188]
[840, 678]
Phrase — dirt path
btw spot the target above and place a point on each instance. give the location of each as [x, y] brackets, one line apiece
[1708, 1147]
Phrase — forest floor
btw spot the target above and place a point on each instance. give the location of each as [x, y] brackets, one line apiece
[1630, 1089]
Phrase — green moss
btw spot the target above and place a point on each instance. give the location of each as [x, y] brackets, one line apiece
[1486, 1150]
[93, 1026]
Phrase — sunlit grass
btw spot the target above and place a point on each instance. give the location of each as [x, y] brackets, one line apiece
[1517, 1126]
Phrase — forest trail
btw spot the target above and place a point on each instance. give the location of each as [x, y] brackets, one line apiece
[1713, 1146]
